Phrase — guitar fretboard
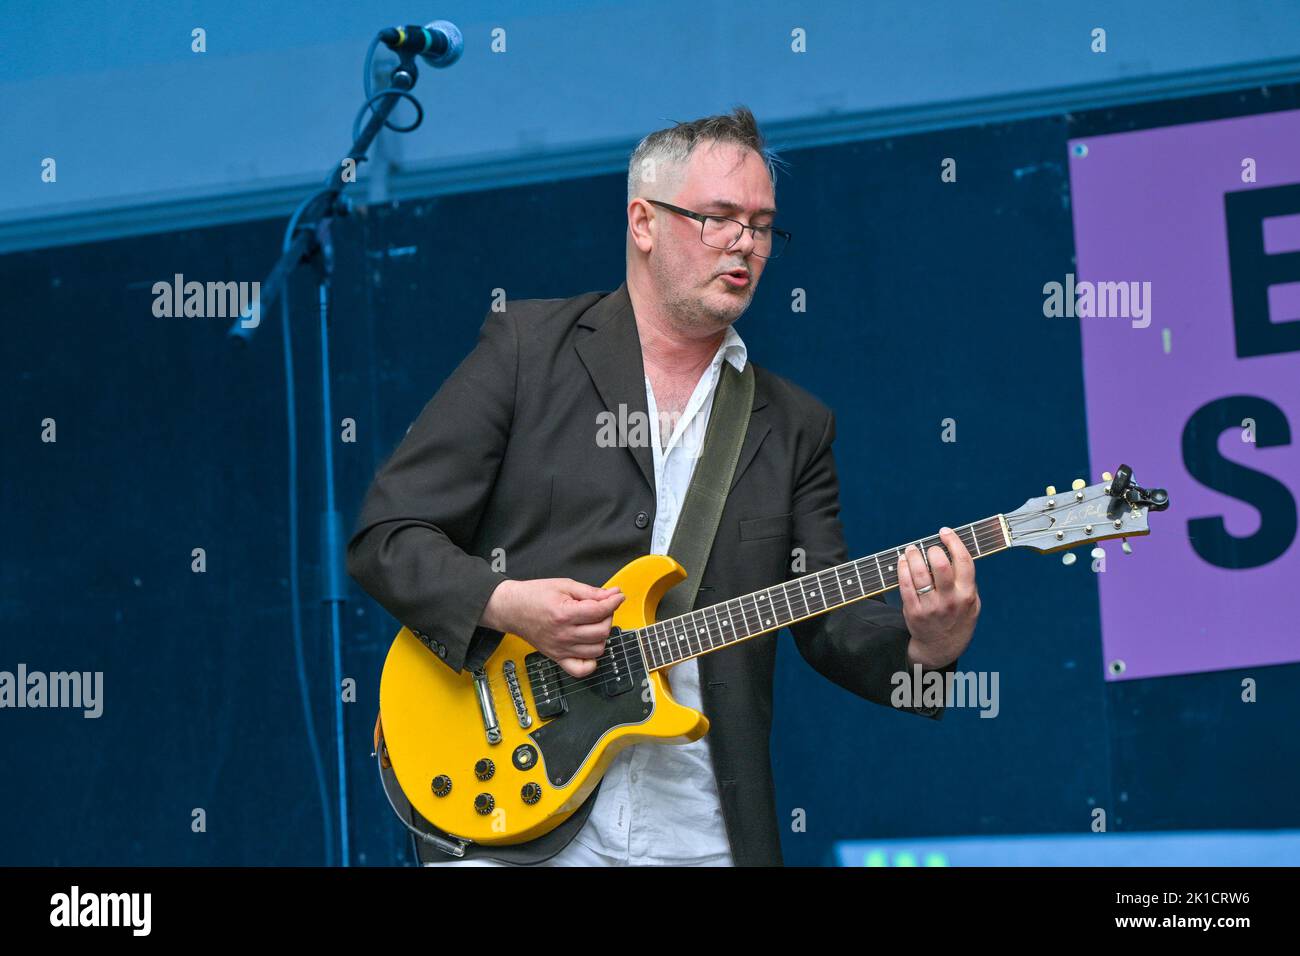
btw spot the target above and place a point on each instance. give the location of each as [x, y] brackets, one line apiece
[697, 632]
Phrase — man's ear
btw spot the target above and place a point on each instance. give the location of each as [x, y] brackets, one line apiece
[640, 224]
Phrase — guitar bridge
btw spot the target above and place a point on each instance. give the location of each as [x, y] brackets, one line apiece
[517, 695]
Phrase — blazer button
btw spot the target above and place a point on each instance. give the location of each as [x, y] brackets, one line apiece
[442, 650]
[642, 519]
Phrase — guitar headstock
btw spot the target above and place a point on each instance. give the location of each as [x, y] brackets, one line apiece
[1113, 508]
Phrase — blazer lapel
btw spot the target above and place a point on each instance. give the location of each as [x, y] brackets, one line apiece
[612, 355]
[754, 435]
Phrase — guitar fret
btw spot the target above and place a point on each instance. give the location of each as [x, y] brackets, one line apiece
[677, 630]
[710, 629]
[816, 599]
[719, 633]
[827, 601]
[769, 613]
[739, 623]
[785, 610]
[734, 631]
[839, 586]
[809, 598]
[705, 630]
[798, 588]
[749, 612]
[661, 641]
[656, 644]
[691, 633]
[716, 630]
[726, 631]
[746, 613]
[763, 604]
[855, 581]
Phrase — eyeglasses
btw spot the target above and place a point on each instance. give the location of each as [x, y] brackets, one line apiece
[720, 232]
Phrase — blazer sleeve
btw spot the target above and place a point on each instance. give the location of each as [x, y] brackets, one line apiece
[862, 645]
[424, 505]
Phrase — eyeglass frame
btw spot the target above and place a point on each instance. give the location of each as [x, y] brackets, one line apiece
[703, 219]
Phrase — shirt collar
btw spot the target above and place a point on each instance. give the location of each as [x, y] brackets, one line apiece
[733, 349]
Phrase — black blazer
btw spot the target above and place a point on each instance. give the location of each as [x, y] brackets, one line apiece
[505, 457]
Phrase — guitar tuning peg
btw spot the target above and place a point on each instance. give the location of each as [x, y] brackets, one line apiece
[1051, 489]
[1106, 476]
[1079, 484]
[1126, 547]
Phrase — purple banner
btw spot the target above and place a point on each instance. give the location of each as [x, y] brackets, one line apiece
[1188, 251]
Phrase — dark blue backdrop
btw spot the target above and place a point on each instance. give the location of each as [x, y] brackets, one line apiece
[924, 303]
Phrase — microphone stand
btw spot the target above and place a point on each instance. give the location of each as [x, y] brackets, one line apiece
[312, 243]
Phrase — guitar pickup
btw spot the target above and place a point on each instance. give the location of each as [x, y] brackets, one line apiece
[617, 678]
[544, 681]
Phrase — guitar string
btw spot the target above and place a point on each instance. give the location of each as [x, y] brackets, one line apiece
[985, 532]
[601, 676]
[779, 607]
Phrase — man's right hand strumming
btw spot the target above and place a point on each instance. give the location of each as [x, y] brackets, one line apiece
[566, 620]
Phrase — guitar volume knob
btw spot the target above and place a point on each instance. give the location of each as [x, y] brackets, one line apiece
[441, 785]
[484, 769]
[531, 793]
[483, 804]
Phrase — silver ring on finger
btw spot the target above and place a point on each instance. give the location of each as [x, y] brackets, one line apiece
[925, 590]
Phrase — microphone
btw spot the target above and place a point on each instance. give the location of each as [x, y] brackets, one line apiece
[439, 43]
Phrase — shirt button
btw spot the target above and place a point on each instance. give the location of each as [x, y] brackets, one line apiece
[642, 519]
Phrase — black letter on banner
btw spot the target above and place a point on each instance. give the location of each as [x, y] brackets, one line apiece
[1277, 510]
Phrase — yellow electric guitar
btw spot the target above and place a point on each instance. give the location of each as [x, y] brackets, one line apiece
[505, 754]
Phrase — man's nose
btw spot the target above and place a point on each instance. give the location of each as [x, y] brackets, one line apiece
[745, 244]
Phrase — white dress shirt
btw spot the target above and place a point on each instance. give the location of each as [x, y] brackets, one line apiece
[658, 803]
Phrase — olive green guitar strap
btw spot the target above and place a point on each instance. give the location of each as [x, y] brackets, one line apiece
[701, 513]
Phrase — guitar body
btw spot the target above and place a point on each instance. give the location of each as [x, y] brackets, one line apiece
[438, 738]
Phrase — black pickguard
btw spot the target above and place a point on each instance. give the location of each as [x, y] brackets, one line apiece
[610, 697]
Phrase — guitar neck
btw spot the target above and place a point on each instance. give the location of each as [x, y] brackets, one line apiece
[697, 632]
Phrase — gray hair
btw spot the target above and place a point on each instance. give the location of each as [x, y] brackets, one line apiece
[661, 157]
